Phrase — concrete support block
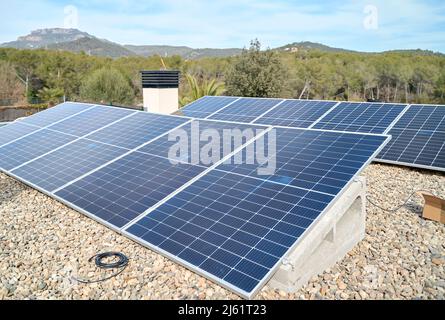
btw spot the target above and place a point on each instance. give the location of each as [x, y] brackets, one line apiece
[335, 234]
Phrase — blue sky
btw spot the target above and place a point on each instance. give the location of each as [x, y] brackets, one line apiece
[371, 25]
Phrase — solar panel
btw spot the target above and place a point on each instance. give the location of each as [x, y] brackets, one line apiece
[15, 131]
[417, 148]
[236, 228]
[226, 220]
[30, 147]
[423, 117]
[245, 110]
[205, 106]
[59, 167]
[322, 161]
[137, 129]
[162, 145]
[361, 117]
[126, 188]
[296, 113]
[418, 139]
[90, 120]
[57, 113]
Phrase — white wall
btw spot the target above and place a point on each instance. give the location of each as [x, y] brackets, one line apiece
[164, 101]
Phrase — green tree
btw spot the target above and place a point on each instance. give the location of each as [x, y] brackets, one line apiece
[440, 87]
[51, 95]
[256, 73]
[12, 90]
[107, 85]
[199, 89]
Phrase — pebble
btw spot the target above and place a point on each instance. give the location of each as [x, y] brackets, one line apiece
[401, 257]
[438, 260]
[341, 285]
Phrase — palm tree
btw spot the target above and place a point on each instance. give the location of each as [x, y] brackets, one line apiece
[51, 95]
[200, 89]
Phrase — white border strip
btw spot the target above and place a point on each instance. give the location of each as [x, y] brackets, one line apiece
[118, 158]
[46, 127]
[347, 101]
[265, 113]
[407, 164]
[323, 116]
[309, 229]
[335, 131]
[68, 204]
[223, 283]
[133, 110]
[396, 120]
[75, 140]
[221, 109]
[193, 102]
[202, 174]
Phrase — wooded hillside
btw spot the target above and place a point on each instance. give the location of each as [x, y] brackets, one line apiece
[392, 77]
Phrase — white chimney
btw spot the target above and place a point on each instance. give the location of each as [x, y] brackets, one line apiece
[160, 91]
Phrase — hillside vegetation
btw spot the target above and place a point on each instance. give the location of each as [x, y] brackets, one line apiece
[410, 77]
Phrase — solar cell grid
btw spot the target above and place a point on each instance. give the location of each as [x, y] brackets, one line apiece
[57, 113]
[234, 228]
[15, 131]
[31, 147]
[90, 120]
[231, 223]
[124, 189]
[137, 129]
[422, 148]
[418, 138]
[317, 160]
[361, 117]
[58, 168]
[421, 117]
[196, 141]
[245, 110]
[205, 107]
[296, 113]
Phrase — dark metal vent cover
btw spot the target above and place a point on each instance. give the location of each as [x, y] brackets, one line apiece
[160, 79]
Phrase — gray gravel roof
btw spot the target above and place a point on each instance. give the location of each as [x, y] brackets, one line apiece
[44, 243]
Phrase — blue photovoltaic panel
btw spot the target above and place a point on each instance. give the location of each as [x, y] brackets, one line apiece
[126, 188]
[90, 120]
[54, 114]
[206, 106]
[419, 148]
[57, 168]
[196, 147]
[423, 117]
[296, 113]
[15, 131]
[137, 129]
[245, 110]
[234, 228]
[31, 147]
[317, 160]
[418, 138]
[361, 117]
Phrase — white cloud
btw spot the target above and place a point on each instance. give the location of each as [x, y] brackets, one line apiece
[226, 23]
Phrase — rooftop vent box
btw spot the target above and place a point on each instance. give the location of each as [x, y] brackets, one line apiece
[160, 91]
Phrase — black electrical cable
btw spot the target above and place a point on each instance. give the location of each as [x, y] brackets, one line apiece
[121, 264]
[399, 207]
